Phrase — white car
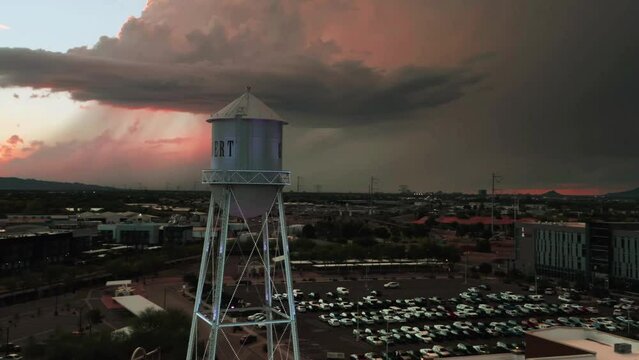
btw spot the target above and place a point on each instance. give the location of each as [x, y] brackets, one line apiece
[442, 351]
[564, 298]
[346, 322]
[428, 353]
[391, 285]
[257, 317]
[333, 322]
[13, 357]
[342, 291]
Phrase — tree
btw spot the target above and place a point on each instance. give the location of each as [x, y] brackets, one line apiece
[451, 253]
[382, 233]
[365, 241]
[485, 268]
[167, 329]
[190, 279]
[308, 231]
[581, 283]
[483, 245]
[94, 316]
[53, 273]
[462, 230]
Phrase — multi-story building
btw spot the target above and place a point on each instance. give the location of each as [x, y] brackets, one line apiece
[626, 257]
[614, 254]
[144, 234]
[560, 250]
[551, 249]
[133, 234]
[602, 253]
[24, 250]
[578, 343]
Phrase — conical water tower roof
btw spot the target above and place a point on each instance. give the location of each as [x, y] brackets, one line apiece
[247, 106]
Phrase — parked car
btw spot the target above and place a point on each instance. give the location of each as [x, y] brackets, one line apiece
[248, 339]
[342, 291]
[391, 285]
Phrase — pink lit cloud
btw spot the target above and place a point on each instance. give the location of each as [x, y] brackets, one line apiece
[431, 94]
[168, 141]
[15, 140]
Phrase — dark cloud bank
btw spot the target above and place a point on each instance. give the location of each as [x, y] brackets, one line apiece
[552, 99]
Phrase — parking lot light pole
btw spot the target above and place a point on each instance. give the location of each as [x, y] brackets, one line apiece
[387, 338]
[7, 343]
[628, 321]
[366, 276]
[357, 322]
[466, 268]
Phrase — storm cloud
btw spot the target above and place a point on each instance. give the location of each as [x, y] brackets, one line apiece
[300, 85]
[160, 62]
[443, 92]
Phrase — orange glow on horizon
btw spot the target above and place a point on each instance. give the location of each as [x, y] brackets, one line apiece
[586, 191]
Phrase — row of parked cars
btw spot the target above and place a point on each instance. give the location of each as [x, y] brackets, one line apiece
[377, 311]
[437, 351]
[461, 330]
[390, 322]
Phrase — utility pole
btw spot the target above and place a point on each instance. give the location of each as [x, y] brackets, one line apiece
[387, 338]
[357, 320]
[466, 268]
[372, 188]
[628, 321]
[515, 211]
[495, 179]
[7, 343]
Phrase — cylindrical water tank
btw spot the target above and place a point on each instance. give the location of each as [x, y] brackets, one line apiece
[247, 137]
[247, 144]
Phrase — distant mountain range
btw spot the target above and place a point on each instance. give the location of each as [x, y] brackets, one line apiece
[552, 193]
[12, 183]
[634, 193]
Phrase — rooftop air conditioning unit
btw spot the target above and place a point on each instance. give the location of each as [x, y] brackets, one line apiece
[623, 348]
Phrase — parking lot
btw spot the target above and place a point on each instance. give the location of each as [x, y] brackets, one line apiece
[408, 318]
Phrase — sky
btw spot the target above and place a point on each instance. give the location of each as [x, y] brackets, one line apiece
[435, 95]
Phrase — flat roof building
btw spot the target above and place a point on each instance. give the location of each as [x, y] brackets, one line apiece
[604, 254]
[578, 343]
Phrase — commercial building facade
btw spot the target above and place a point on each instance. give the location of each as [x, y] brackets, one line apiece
[602, 253]
[145, 234]
[556, 250]
[27, 250]
[614, 254]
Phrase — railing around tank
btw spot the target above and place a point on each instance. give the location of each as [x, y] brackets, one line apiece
[246, 177]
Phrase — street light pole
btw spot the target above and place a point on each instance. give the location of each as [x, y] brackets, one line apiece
[357, 321]
[628, 321]
[366, 276]
[387, 338]
[7, 343]
[466, 268]
[165, 298]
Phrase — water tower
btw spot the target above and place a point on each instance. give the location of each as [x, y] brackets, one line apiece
[246, 181]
